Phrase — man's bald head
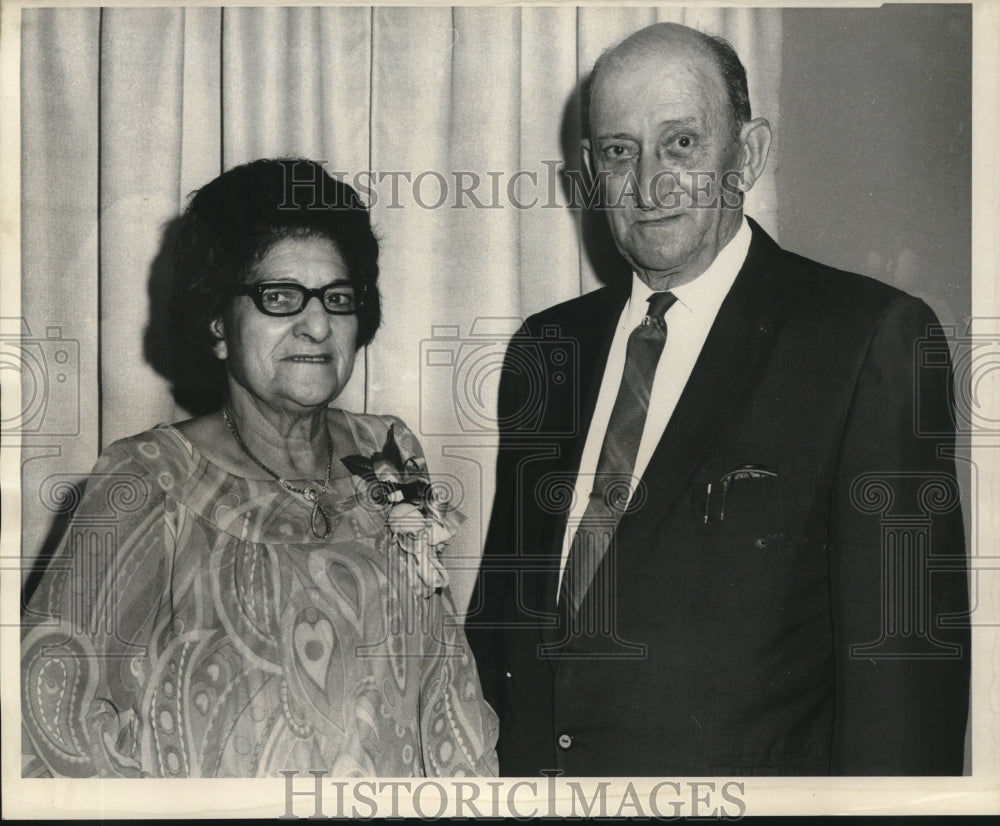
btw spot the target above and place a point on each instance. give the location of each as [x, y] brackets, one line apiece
[666, 38]
[673, 149]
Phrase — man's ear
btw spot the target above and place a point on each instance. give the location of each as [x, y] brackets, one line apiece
[218, 331]
[755, 142]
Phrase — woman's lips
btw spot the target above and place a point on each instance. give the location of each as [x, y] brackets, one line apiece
[305, 359]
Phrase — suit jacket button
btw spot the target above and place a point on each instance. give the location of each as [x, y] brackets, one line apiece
[565, 741]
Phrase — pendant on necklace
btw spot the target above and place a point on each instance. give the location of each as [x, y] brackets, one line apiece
[323, 520]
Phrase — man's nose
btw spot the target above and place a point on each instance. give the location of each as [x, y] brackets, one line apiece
[651, 177]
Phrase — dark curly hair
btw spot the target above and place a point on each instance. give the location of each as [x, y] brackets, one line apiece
[232, 222]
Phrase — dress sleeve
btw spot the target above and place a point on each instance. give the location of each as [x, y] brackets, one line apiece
[86, 628]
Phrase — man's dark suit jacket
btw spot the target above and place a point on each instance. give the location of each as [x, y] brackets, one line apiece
[813, 622]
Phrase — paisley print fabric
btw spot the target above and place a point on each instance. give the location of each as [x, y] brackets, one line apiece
[192, 626]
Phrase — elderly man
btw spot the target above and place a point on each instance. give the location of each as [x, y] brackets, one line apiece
[729, 550]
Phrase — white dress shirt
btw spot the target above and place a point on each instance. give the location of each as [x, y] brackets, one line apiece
[688, 322]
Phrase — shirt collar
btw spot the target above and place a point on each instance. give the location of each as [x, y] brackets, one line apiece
[705, 294]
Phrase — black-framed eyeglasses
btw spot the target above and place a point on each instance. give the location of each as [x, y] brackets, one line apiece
[281, 298]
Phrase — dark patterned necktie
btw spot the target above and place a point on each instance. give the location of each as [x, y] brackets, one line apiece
[609, 495]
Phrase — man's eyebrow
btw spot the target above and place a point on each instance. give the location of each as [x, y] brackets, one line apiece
[617, 136]
[680, 122]
[671, 123]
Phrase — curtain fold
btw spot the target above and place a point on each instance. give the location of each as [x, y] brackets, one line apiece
[460, 126]
[60, 420]
[141, 70]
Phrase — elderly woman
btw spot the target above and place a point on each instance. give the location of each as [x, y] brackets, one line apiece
[261, 590]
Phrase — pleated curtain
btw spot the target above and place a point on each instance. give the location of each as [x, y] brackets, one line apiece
[126, 111]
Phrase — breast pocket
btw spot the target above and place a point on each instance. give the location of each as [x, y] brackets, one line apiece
[753, 499]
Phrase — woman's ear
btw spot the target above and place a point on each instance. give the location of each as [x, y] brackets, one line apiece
[219, 334]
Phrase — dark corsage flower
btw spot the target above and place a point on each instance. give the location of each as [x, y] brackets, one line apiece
[418, 515]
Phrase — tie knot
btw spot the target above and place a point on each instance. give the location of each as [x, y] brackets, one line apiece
[659, 303]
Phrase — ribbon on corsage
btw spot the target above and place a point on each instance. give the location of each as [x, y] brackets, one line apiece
[419, 517]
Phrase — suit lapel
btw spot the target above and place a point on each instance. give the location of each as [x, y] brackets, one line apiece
[739, 336]
[592, 333]
[594, 340]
